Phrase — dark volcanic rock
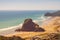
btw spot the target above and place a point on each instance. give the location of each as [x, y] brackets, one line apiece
[29, 25]
[53, 14]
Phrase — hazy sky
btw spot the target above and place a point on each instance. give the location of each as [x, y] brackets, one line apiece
[29, 4]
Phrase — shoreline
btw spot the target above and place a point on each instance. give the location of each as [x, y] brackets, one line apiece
[9, 30]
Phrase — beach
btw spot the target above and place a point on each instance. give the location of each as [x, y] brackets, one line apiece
[9, 30]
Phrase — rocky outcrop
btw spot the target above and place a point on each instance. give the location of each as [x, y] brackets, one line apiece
[29, 25]
[53, 14]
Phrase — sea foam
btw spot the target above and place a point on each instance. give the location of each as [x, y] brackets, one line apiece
[12, 27]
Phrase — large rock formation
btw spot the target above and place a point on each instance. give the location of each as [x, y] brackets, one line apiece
[29, 25]
[53, 14]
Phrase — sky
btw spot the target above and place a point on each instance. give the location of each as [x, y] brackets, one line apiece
[29, 5]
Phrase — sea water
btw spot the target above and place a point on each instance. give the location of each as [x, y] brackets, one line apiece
[13, 18]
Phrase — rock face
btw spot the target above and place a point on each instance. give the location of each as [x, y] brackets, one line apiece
[53, 14]
[29, 25]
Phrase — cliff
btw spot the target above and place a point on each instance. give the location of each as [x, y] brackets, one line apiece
[53, 14]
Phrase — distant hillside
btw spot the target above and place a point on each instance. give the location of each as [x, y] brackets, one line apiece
[53, 14]
[52, 25]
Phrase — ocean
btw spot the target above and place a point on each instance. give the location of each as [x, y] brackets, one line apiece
[13, 18]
